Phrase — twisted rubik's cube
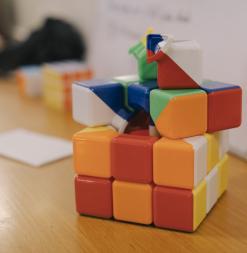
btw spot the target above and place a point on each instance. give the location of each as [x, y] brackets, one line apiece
[153, 151]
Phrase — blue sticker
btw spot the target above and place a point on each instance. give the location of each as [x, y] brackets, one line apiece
[152, 41]
[212, 86]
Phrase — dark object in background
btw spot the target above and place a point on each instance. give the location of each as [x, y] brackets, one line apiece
[7, 19]
[56, 40]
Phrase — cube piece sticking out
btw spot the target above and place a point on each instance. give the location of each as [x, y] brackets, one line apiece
[179, 61]
[145, 71]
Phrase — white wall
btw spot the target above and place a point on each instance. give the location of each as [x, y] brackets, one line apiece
[219, 26]
[30, 13]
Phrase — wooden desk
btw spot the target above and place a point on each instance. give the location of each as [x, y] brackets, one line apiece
[37, 209]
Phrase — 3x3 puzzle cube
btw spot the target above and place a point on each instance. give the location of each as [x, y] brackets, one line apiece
[52, 81]
[155, 147]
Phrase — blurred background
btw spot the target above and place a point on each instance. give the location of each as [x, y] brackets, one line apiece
[110, 27]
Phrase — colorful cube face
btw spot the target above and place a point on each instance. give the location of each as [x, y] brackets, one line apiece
[180, 163]
[92, 151]
[139, 200]
[132, 158]
[107, 103]
[179, 113]
[93, 196]
[132, 202]
[172, 180]
[145, 71]
[224, 105]
[179, 62]
[183, 209]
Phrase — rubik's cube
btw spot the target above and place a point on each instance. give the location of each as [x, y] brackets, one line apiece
[155, 147]
[57, 80]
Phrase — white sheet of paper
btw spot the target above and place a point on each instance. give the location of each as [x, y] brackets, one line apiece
[33, 148]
